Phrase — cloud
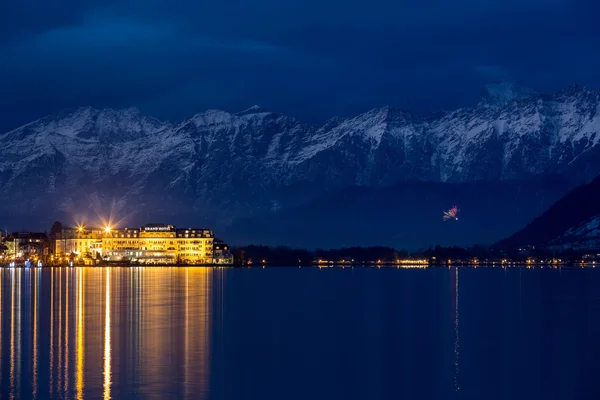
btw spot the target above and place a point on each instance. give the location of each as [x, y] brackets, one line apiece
[112, 61]
[309, 58]
[107, 32]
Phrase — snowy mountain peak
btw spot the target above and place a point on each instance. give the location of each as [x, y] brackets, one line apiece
[212, 117]
[500, 93]
[88, 123]
[239, 162]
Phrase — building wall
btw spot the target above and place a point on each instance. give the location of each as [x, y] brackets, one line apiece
[20, 246]
[193, 246]
[221, 253]
[66, 246]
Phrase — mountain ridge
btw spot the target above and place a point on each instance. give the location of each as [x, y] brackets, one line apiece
[219, 166]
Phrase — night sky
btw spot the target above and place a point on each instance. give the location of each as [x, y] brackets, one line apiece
[307, 58]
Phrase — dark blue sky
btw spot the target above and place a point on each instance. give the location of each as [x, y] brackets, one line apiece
[309, 58]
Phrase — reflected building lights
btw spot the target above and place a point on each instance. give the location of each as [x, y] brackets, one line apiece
[51, 362]
[136, 322]
[80, 327]
[67, 305]
[157, 348]
[186, 333]
[18, 344]
[1, 323]
[107, 349]
[162, 328]
[201, 282]
[456, 337]
[59, 379]
[15, 337]
[12, 335]
[197, 337]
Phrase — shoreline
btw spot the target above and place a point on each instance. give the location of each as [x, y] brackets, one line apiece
[320, 266]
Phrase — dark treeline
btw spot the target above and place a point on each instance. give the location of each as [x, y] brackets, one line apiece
[486, 253]
[287, 255]
[283, 255]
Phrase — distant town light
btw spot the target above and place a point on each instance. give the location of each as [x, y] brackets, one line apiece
[107, 229]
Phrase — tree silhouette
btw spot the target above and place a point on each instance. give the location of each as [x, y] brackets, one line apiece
[55, 234]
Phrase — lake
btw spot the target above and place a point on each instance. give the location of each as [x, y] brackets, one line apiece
[300, 333]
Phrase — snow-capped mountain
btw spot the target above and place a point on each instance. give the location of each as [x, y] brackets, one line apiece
[225, 164]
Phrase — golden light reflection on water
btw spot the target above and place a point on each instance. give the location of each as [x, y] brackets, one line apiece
[51, 359]
[197, 325]
[67, 306]
[101, 330]
[60, 346]
[1, 320]
[187, 336]
[15, 339]
[12, 335]
[80, 329]
[107, 349]
[188, 321]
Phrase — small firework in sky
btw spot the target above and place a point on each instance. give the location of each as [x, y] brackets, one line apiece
[451, 214]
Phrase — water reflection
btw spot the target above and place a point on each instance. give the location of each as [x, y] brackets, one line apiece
[51, 359]
[80, 332]
[455, 314]
[60, 337]
[36, 322]
[106, 372]
[67, 321]
[354, 333]
[1, 323]
[15, 334]
[111, 333]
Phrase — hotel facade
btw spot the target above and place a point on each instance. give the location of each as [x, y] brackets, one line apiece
[149, 244]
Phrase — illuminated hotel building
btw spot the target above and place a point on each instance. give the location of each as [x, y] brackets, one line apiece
[152, 243]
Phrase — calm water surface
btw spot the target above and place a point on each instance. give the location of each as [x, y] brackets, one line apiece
[300, 333]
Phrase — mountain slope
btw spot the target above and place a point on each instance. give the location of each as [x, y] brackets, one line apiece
[585, 235]
[565, 221]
